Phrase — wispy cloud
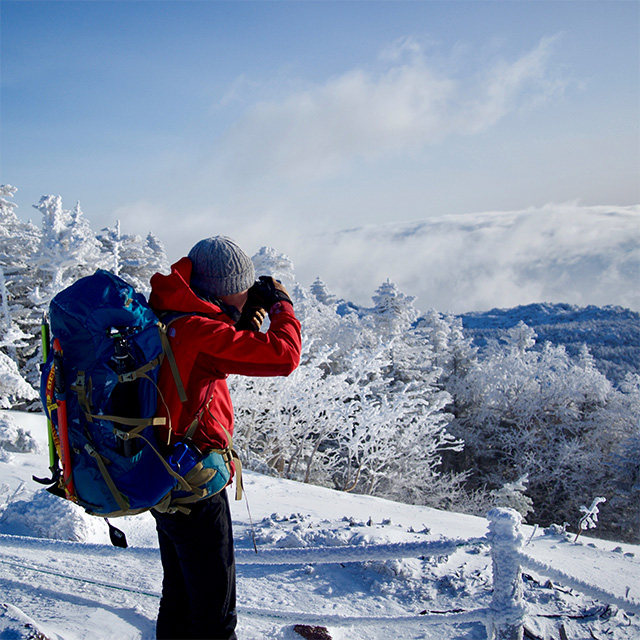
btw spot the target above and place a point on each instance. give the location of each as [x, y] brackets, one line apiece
[402, 103]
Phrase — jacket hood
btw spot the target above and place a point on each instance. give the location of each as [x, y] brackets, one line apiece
[173, 293]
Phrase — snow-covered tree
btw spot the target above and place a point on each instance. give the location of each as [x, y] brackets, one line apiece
[14, 390]
[623, 488]
[559, 420]
[156, 255]
[287, 426]
[132, 258]
[361, 412]
[322, 294]
[11, 336]
[269, 262]
[394, 311]
[68, 250]
[111, 240]
[18, 244]
[35, 264]
[453, 352]
[18, 240]
[512, 495]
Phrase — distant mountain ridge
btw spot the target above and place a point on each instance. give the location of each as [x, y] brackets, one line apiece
[611, 333]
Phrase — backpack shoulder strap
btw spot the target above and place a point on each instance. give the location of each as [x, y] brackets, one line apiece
[166, 319]
[166, 347]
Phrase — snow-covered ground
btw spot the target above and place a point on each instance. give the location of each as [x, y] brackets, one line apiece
[60, 575]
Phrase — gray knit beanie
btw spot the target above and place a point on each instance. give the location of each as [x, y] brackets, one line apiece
[220, 267]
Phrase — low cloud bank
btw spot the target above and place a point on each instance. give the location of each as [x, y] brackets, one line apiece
[558, 253]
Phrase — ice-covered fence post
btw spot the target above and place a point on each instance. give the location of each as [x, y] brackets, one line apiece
[507, 605]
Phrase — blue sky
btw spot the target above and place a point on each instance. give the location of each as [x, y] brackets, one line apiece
[269, 121]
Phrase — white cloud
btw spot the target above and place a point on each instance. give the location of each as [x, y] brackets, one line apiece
[520, 85]
[401, 105]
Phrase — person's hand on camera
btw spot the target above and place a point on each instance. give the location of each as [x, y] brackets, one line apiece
[252, 318]
[269, 291]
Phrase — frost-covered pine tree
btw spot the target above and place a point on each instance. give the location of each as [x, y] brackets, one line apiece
[410, 405]
[156, 255]
[397, 428]
[132, 258]
[68, 250]
[11, 336]
[453, 352]
[18, 241]
[35, 264]
[394, 312]
[322, 294]
[111, 240]
[512, 495]
[269, 262]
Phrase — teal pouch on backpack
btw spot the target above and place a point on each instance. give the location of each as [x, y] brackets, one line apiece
[220, 480]
[206, 474]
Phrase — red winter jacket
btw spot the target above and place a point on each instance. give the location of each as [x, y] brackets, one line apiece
[207, 348]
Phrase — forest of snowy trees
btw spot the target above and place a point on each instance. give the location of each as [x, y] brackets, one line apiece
[388, 400]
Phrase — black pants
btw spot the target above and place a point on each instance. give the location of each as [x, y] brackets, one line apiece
[199, 585]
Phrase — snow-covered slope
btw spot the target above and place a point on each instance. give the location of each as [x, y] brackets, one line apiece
[78, 586]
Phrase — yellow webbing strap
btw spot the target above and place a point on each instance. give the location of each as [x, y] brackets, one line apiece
[229, 453]
[81, 390]
[239, 485]
[197, 477]
[141, 372]
[195, 422]
[132, 422]
[122, 501]
[200, 475]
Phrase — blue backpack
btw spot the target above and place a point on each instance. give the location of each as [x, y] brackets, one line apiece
[99, 390]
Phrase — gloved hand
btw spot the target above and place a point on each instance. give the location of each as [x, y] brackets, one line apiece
[267, 290]
[252, 317]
